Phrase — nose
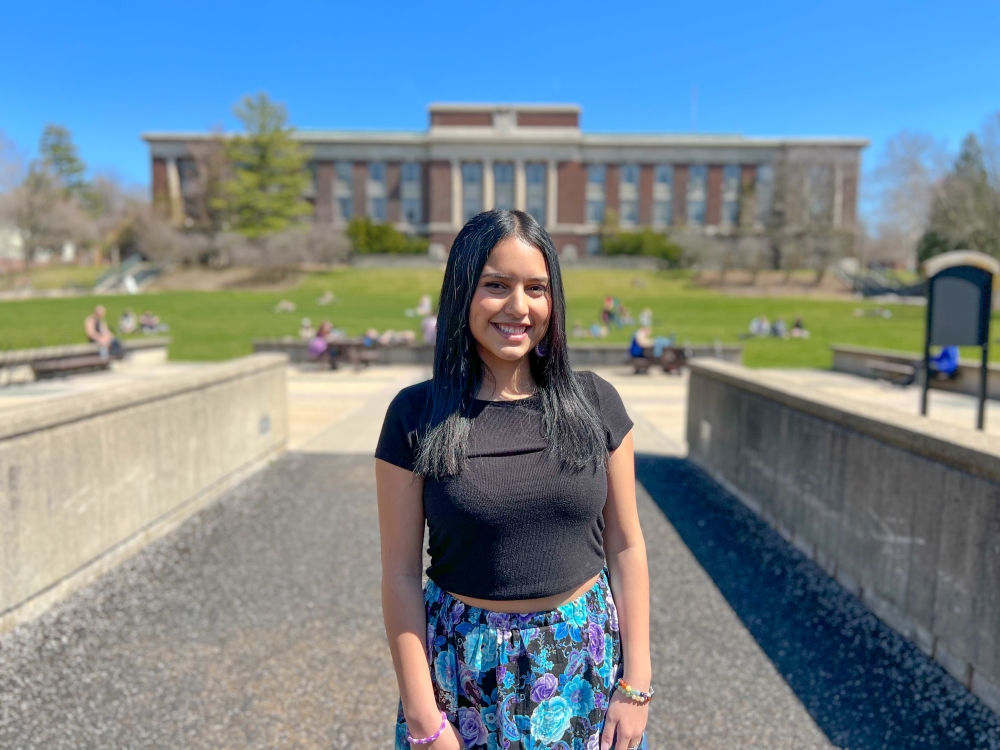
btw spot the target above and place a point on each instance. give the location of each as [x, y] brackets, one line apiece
[517, 303]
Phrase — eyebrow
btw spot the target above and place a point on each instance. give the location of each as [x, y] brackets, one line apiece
[508, 277]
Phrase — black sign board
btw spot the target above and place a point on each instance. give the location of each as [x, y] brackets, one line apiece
[959, 301]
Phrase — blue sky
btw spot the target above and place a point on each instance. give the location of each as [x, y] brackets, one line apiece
[111, 70]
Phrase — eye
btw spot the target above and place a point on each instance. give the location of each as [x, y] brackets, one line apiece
[493, 285]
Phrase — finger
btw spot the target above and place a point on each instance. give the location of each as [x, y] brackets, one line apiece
[608, 735]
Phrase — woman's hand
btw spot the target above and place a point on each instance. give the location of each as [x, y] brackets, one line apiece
[628, 719]
[450, 739]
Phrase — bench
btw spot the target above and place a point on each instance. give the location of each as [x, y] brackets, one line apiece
[50, 368]
[26, 365]
[894, 372]
[671, 360]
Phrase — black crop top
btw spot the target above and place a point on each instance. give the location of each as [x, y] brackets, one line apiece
[512, 524]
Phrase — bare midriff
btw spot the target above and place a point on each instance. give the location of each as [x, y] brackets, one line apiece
[526, 606]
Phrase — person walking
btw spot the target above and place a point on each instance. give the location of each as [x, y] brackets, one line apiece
[532, 630]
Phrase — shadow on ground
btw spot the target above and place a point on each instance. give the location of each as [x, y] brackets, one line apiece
[865, 686]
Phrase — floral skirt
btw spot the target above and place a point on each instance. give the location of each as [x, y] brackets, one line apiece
[523, 681]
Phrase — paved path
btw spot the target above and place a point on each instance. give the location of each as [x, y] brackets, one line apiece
[257, 623]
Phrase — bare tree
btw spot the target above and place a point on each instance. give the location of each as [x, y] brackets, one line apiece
[904, 181]
[11, 164]
[45, 215]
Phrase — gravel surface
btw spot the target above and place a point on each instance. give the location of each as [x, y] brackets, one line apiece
[257, 625]
[866, 686]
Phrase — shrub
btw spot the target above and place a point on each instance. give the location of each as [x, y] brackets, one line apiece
[368, 237]
[645, 242]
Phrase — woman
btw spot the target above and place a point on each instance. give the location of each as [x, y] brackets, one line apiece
[523, 471]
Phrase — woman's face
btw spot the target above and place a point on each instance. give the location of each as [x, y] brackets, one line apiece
[512, 305]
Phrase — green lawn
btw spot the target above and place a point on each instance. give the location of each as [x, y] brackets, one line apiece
[221, 325]
[55, 276]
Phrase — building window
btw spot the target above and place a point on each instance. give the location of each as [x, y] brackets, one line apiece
[342, 193]
[663, 195]
[409, 192]
[503, 185]
[534, 175]
[820, 193]
[593, 244]
[628, 195]
[187, 174]
[730, 195]
[696, 194]
[596, 174]
[376, 191]
[472, 189]
[763, 193]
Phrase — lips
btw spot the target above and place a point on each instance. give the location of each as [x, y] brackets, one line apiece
[513, 332]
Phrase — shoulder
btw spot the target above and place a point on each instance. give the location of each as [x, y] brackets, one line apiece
[609, 406]
[599, 390]
[410, 401]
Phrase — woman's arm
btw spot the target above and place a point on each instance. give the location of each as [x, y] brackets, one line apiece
[401, 528]
[625, 551]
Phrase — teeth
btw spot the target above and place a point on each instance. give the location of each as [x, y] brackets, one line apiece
[511, 329]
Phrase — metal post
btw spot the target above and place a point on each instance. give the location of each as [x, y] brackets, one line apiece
[927, 350]
[981, 421]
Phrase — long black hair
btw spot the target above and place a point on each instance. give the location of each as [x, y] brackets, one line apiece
[570, 421]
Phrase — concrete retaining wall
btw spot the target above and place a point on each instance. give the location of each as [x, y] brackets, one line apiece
[598, 355]
[905, 513]
[857, 360]
[87, 480]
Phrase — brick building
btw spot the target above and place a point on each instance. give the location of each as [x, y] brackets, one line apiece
[536, 158]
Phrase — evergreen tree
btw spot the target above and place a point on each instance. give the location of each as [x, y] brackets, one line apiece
[60, 157]
[269, 176]
[965, 212]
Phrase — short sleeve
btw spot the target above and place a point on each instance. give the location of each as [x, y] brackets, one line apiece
[616, 419]
[398, 441]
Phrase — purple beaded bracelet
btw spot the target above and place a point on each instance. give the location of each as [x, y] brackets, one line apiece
[428, 740]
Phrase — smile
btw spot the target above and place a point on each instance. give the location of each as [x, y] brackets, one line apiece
[512, 332]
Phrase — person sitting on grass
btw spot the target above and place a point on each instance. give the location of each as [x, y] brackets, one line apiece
[799, 330]
[151, 323]
[97, 331]
[128, 323]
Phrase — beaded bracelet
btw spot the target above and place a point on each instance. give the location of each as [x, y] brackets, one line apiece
[428, 740]
[636, 695]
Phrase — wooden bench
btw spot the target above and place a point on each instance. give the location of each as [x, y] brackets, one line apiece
[25, 365]
[896, 373]
[671, 360]
[51, 368]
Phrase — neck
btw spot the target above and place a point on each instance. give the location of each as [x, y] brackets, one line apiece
[510, 379]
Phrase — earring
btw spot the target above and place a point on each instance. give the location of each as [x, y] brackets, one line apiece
[540, 350]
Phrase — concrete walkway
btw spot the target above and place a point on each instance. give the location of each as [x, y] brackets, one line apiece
[257, 624]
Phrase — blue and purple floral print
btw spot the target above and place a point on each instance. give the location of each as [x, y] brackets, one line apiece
[524, 681]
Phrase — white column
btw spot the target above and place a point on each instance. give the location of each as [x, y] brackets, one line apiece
[552, 194]
[456, 193]
[838, 195]
[520, 186]
[489, 189]
[174, 192]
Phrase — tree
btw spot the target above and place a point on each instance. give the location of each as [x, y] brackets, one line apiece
[60, 158]
[269, 176]
[368, 237]
[646, 242]
[45, 215]
[965, 211]
[11, 164]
